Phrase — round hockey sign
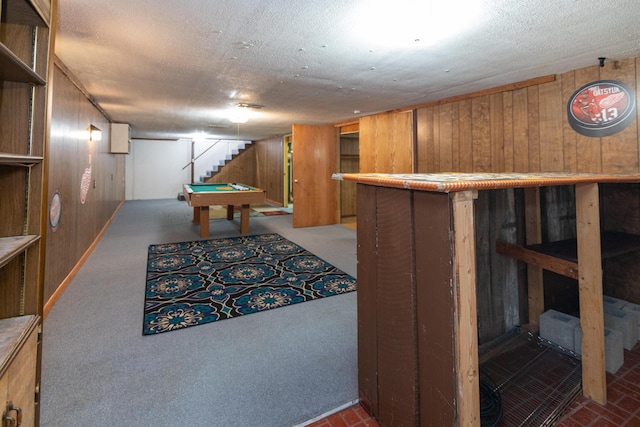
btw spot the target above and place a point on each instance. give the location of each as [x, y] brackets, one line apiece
[601, 108]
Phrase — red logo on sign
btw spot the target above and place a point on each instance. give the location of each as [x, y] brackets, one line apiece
[601, 108]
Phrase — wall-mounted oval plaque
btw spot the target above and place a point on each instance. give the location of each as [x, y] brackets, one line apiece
[55, 211]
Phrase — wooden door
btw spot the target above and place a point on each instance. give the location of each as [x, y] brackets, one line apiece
[315, 194]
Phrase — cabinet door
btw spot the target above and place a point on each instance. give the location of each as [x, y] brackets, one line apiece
[18, 384]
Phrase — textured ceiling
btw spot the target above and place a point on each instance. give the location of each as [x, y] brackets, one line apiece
[172, 68]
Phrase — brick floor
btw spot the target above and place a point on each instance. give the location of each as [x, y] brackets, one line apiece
[622, 408]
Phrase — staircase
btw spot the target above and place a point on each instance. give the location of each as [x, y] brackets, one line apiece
[223, 159]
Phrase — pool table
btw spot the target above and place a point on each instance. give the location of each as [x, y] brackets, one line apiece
[201, 196]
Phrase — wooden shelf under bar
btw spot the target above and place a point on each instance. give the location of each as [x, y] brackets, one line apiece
[561, 256]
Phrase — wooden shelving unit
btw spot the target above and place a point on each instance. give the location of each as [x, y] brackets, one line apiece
[24, 61]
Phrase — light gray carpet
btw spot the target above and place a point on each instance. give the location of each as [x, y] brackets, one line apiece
[276, 368]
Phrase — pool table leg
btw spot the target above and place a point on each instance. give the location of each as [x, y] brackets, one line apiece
[196, 214]
[230, 212]
[244, 219]
[204, 221]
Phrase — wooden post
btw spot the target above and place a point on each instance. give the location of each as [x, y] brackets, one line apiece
[204, 220]
[244, 219]
[594, 382]
[193, 156]
[464, 277]
[533, 235]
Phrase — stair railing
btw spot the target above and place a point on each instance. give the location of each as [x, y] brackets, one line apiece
[193, 159]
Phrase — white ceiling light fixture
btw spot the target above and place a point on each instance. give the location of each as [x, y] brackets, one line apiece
[242, 112]
[237, 118]
[239, 115]
[409, 23]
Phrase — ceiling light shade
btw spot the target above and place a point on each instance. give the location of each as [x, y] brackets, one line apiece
[238, 115]
[238, 119]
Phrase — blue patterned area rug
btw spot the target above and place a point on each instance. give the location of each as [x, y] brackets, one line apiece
[191, 283]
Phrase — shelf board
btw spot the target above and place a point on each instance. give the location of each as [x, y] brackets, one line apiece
[562, 256]
[13, 332]
[19, 160]
[14, 245]
[14, 69]
[612, 244]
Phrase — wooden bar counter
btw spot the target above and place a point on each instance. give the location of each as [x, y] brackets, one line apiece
[417, 322]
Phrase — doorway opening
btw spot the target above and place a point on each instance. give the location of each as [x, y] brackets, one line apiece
[288, 172]
[349, 163]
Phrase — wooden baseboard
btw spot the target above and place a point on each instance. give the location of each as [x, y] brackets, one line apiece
[63, 285]
[273, 202]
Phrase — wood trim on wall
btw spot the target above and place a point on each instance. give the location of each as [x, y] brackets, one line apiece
[499, 89]
[349, 128]
[347, 122]
[76, 82]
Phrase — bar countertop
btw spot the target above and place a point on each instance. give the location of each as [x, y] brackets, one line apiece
[452, 182]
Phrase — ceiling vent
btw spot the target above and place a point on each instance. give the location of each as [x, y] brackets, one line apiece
[247, 105]
[217, 126]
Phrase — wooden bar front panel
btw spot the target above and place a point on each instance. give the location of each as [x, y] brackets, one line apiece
[433, 254]
[367, 283]
[396, 309]
[407, 372]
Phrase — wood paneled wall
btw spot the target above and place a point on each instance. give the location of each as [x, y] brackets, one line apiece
[270, 168]
[70, 155]
[385, 143]
[525, 130]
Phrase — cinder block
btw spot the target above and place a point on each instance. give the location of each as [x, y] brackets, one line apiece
[613, 348]
[614, 302]
[623, 321]
[634, 308]
[558, 328]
